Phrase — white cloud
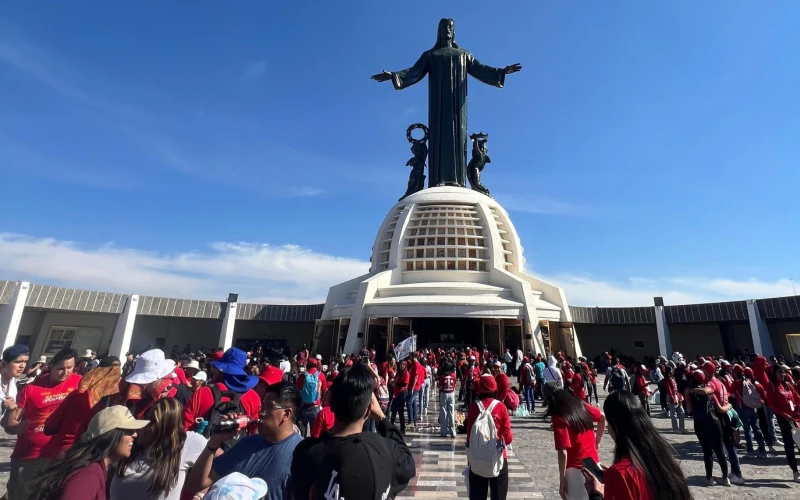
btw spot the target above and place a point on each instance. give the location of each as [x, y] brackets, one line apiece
[290, 274]
[255, 69]
[637, 291]
[258, 272]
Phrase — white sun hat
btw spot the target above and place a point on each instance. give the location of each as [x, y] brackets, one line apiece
[150, 366]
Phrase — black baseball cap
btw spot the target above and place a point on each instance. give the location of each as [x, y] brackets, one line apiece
[358, 467]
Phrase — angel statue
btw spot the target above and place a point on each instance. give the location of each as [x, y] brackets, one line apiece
[478, 161]
[416, 181]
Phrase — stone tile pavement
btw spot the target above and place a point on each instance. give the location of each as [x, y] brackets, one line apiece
[766, 479]
[441, 462]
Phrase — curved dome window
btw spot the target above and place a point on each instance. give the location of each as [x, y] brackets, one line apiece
[445, 237]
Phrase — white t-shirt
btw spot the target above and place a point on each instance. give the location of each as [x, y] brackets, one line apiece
[286, 366]
[137, 479]
[12, 393]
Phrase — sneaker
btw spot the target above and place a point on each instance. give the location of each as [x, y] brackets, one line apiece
[750, 454]
[710, 482]
[766, 455]
[687, 431]
[772, 450]
[738, 480]
[778, 442]
[724, 482]
[797, 477]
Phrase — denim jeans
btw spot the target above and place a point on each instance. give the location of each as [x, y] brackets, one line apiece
[676, 413]
[447, 414]
[398, 403]
[411, 406]
[749, 419]
[306, 417]
[424, 397]
[530, 401]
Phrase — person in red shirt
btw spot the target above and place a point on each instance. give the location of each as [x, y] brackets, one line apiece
[642, 388]
[72, 417]
[591, 375]
[486, 391]
[785, 403]
[644, 462]
[227, 374]
[400, 394]
[414, 384]
[309, 409]
[35, 403]
[447, 404]
[577, 385]
[503, 385]
[674, 401]
[574, 437]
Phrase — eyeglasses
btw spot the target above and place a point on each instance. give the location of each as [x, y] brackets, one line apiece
[129, 432]
[269, 408]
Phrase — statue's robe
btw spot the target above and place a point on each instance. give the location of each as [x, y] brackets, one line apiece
[447, 69]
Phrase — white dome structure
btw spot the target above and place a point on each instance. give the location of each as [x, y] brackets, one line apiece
[445, 252]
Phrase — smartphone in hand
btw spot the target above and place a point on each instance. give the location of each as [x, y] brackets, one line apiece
[593, 467]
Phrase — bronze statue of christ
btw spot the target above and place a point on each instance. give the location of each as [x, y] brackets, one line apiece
[447, 66]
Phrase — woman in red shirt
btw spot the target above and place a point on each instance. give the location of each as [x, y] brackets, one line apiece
[642, 387]
[577, 385]
[400, 394]
[644, 464]
[479, 486]
[785, 404]
[575, 439]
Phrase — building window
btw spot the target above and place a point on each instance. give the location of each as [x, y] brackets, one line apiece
[60, 338]
[72, 337]
[638, 344]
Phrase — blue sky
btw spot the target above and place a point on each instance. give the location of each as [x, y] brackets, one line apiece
[196, 148]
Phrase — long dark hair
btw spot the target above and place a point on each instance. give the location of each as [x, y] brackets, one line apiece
[447, 367]
[162, 455]
[440, 39]
[638, 440]
[563, 404]
[82, 454]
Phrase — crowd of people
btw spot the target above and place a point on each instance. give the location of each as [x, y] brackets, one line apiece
[202, 424]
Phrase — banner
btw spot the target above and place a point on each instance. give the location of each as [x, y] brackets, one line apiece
[406, 347]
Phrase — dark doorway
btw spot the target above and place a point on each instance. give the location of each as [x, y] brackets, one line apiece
[447, 332]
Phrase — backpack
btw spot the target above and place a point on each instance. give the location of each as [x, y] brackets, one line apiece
[511, 400]
[221, 408]
[530, 377]
[382, 394]
[310, 392]
[485, 452]
[750, 396]
[617, 378]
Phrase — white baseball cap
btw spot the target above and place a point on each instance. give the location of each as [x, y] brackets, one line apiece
[201, 376]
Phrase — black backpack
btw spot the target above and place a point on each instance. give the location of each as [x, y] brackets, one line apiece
[617, 378]
[221, 408]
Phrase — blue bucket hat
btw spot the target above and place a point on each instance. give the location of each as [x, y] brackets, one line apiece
[232, 367]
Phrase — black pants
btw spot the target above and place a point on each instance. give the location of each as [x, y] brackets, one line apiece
[480, 486]
[591, 389]
[762, 422]
[788, 442]
[709, 433]
[662, 391]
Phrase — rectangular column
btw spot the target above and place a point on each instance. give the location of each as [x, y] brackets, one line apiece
[123, 332]
[228, 322]
[762, 342]
[664, 341]
[11, 314]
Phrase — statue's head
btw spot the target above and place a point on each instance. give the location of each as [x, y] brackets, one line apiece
[446, 33]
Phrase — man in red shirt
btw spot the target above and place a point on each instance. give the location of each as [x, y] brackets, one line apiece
[447, 387]
[414, 385]
[35, 403]
[312, 385]
[227, 376]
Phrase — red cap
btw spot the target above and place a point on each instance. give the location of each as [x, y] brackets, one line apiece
[526, 360]
[709, 367]
[272, 375]
[699, 376]
[748, 372]
[488, 384]
[567, 365]
[738, 369]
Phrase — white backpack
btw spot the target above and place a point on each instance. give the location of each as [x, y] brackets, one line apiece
[750, 396]
[484, 456]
